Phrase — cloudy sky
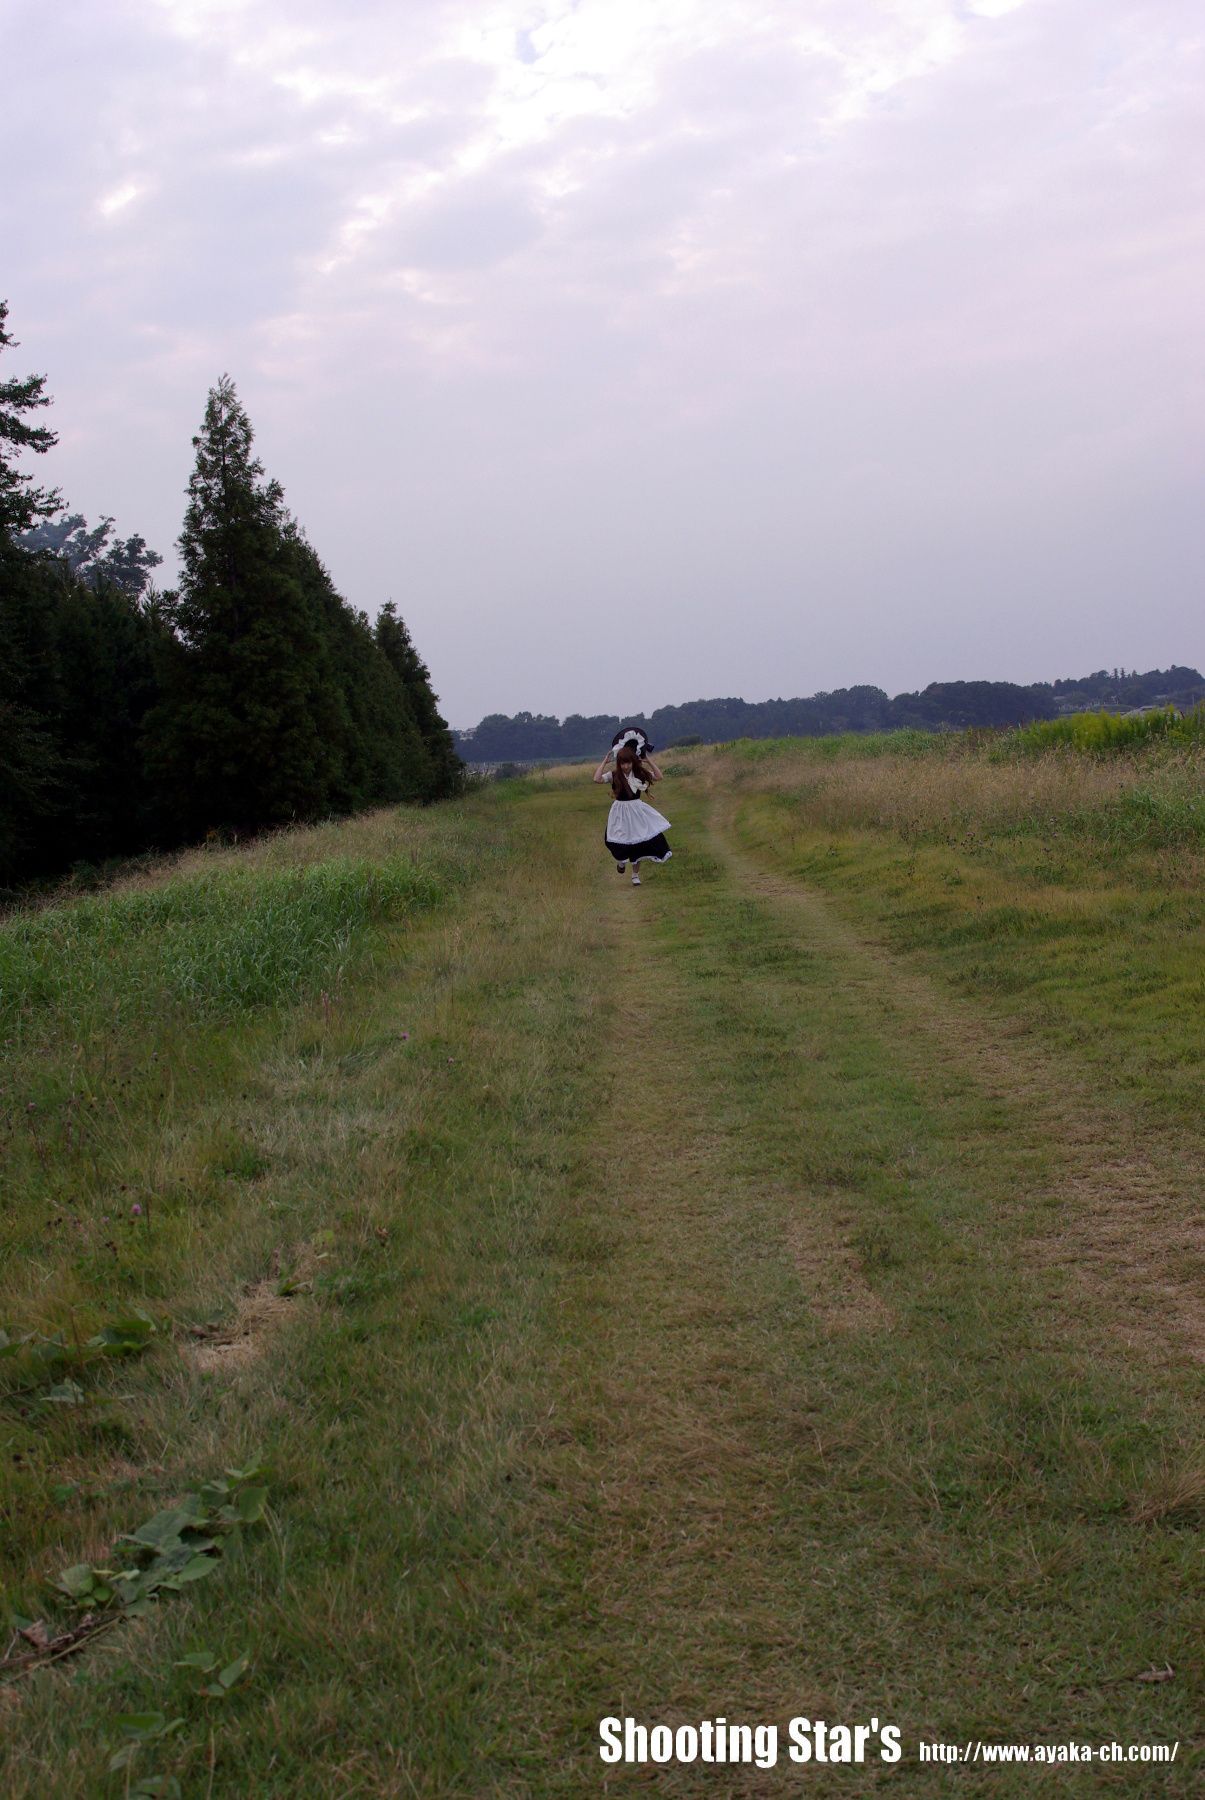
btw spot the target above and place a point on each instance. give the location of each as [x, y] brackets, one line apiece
[645, 349]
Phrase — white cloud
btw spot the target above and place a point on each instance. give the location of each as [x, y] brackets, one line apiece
[118, 199]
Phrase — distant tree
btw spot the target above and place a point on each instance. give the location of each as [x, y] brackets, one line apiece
[587, 735]
[125, 563]
[955, 705]
[21, 503]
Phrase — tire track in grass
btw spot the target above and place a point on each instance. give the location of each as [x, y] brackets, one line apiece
[733, 1508]
[1115, 1216]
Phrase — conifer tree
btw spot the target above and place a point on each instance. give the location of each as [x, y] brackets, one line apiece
[21, 503]
[447, 770]
[240, 734]
[29, 758]
[364, 707]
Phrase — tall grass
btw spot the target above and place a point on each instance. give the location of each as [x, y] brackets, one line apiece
[1091, 734]
[128, 1016]
[216, 943]
[1106, 808]
[969, 788]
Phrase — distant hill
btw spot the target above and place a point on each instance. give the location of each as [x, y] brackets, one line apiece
[942, 706]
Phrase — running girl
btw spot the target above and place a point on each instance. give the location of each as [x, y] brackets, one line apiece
[635, 830]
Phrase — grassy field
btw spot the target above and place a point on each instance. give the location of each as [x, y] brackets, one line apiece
[772, 1292]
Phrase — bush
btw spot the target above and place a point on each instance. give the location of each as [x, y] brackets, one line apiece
[1100, 733]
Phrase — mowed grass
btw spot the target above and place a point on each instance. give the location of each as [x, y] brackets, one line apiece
[638, 1306]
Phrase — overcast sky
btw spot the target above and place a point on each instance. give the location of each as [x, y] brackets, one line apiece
[645, 350]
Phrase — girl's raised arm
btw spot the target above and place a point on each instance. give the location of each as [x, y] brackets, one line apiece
[653, 770]
[599, 773]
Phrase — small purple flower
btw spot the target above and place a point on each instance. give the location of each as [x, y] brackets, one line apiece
[136, 1210]
[405, 1035]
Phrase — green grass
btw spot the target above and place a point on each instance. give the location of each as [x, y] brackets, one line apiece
[639, 1302]
[217, 943]
[906, 743]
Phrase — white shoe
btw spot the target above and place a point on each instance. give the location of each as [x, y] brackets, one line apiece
[635, 881]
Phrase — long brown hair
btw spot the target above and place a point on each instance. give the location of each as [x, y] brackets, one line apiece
[626, 760]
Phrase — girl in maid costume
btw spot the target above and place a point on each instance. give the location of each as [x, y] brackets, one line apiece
[635, 830]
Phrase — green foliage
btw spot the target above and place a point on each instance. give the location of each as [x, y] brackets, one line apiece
[77, 670]
[172, 1549]
[281, 702]
[906, 742]
[78, 679]
[238, 735]
[1099, 733]
[138, 1731]
[38, 1357]
[225, 1679]
[445, 770]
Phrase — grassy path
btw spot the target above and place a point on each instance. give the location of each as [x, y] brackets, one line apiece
[679, 1349]
[1122, 1223]
[832, 1446]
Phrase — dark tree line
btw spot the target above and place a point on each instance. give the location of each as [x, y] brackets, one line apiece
[250, 696]
[943, 706]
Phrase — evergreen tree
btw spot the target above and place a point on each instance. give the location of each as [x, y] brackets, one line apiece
[20, 501]
[239, 735]
[447, 770]
[78, 674]
[363, 707]
[28, 755]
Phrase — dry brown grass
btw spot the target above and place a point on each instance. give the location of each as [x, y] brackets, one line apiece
[833, 1277]
[1176, 1496]
[259, 1309]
